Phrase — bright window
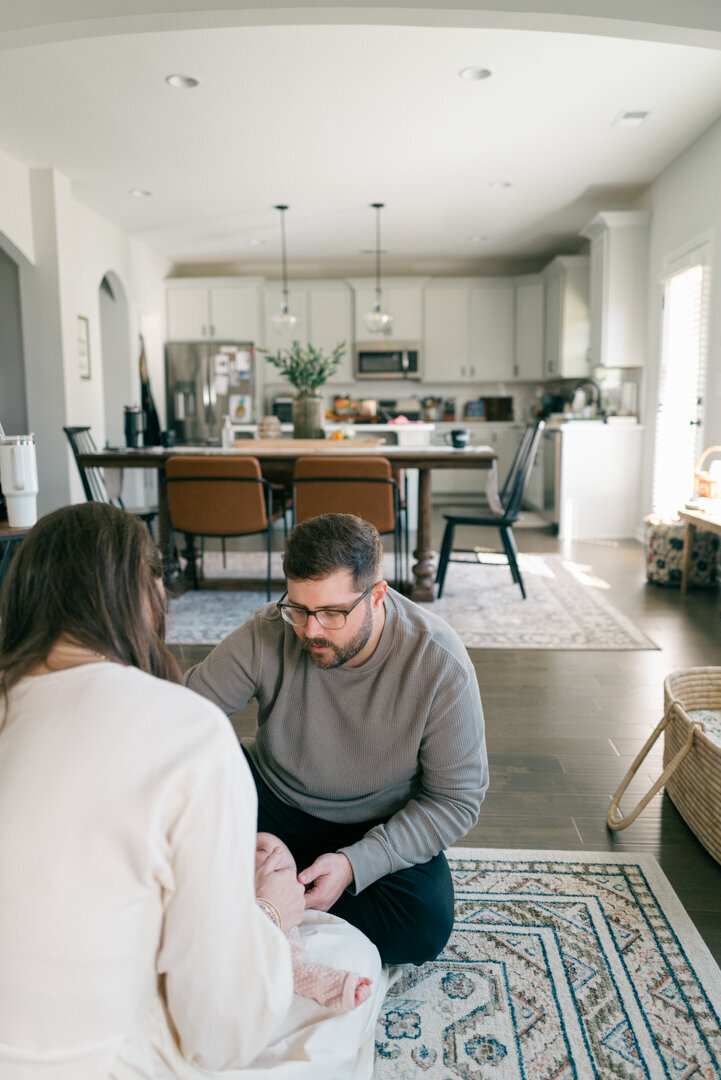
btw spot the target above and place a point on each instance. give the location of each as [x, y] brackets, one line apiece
[679, 421]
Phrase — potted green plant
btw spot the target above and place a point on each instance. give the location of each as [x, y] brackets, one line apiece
[307, 370]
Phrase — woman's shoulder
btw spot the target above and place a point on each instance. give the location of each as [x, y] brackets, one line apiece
[157, 705]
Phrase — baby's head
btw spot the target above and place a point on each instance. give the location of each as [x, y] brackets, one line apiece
[265, 844]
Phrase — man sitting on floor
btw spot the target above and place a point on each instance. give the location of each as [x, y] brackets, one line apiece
[369, 757]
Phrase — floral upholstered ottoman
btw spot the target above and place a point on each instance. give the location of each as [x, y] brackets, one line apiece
[664, 554]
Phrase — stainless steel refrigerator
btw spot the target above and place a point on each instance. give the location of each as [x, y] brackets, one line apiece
[205, 381]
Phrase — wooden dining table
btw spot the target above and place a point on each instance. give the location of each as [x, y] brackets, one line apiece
[693, 520]
[286, 451]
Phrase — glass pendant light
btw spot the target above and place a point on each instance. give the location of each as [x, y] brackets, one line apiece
[283, 320]
[377, 320]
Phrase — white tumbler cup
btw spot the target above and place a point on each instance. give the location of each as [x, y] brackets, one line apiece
[19, 479]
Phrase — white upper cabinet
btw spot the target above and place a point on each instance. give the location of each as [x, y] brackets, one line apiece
[188, 313]
[492, 312]
[619, 275]
[468, 330]
[323, 311]
[213, 309]
[446, 331]
[403, 298]
[528, 344]
[274, 338]
[234, 312]
[566, 334]
[330, 322]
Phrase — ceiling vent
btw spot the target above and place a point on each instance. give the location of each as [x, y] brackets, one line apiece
[630, 119]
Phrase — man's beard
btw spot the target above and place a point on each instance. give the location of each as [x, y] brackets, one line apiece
[341, 654]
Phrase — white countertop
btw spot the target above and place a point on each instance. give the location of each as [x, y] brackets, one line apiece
[412, 425]
[414, 433]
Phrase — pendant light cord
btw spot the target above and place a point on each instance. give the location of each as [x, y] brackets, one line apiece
[378, 207]
[283, 258]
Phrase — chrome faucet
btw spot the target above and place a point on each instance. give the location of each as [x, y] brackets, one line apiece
[596, 391]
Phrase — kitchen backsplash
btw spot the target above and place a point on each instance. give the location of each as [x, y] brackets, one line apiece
[526, 396]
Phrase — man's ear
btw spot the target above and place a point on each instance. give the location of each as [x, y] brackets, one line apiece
[379, 593]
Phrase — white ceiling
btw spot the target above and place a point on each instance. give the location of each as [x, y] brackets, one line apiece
[331, 118]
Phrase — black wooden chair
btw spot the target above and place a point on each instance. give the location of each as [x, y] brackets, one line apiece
[509, 499]
[94, 482]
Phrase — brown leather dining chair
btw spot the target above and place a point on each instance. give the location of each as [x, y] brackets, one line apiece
[219, 497]
[341, 484]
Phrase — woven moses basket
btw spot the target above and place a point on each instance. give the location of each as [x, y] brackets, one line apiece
[691, 760]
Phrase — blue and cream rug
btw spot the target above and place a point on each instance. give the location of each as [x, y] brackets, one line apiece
[561, 965]
[566, 606]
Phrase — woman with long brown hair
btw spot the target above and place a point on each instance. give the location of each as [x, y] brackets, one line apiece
[129, 931]
[132, 946]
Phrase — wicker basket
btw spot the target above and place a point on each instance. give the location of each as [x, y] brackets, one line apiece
[703, 484]
[691, 760]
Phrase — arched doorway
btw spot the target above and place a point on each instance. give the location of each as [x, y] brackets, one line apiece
[116, 353]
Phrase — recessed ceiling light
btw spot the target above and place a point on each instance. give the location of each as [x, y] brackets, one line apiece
[140, 193]
[181, 82]
[256, 242]
[475, 73]
[634, 118]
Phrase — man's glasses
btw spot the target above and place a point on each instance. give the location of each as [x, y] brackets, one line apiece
[329, 618]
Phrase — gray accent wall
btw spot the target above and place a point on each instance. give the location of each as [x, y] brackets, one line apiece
[13, 400]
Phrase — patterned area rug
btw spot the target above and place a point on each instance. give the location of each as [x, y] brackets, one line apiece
[561, 965]
[565, 607]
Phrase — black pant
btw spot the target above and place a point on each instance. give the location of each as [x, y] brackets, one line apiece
[408, 915]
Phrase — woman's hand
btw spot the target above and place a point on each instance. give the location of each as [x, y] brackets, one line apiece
[281, 888]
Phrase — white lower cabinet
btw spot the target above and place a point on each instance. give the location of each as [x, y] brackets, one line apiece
[503, 438]
[534, 497]
[600, 481]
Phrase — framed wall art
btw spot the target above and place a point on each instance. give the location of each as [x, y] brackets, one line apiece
[83, 347]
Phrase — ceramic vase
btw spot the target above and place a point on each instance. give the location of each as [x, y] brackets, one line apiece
[308, 417]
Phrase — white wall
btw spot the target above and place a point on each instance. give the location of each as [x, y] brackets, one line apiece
[685, 201]
[73, 250]
[16, 224]
[99, 248]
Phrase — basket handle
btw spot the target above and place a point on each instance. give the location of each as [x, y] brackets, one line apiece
[617, 823]
[711, 450]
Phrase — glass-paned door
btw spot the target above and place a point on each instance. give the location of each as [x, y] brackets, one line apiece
[679, 420]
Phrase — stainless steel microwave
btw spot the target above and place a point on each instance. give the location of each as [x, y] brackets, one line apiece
[388, 360]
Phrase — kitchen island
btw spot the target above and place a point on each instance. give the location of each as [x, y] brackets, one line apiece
[414, 433]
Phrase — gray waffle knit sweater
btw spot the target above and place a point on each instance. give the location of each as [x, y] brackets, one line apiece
[399, 738]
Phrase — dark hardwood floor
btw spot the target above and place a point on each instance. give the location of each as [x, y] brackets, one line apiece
[563, 727]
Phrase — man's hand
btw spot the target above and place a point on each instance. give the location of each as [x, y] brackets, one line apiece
[281, 888]
[328, 877]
